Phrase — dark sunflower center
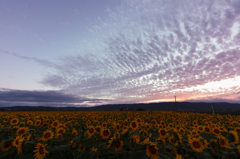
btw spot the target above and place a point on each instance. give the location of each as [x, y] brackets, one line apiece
[222, 142]
[116, 135]
[14, 121]
[207, 129]
[98, 129]
[61, 131]
[117, 144]
[41, 150]
[238, 130]
[216, 131]
[152, 149]
[8, 144]
[105, 133]
[163, 132]
[134, 125]
[91, 130]
[196, 144]
[17, 141]
[213, 144]
[22, 131]
[55, 124]
[168, 150]
[47, 135]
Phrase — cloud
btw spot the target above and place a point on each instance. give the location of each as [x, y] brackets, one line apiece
[34, 59]
[50, 98]
[155, 49]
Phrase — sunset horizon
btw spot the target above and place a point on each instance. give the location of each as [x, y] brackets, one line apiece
[91, 53]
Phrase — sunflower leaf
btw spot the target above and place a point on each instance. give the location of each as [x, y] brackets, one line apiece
[86, 154]
[88, 141]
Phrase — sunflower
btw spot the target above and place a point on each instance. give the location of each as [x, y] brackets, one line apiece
[161, 140]
[178, 156]
[91, 131]
[173, 141]
[162, 132]
[223, 142]
[213, 144]
[105, 133]
[134, 125]
[143, 133]
[152, 151]
[238, 148]
[135, 138]
[73, 144]
[104, 124]
[195, 144]
[236, 138]
[194, 133]
[207, 130]
[58, 135]
[19, 147]
[216, 131]
[14, 121]
[200, 128]
[40, 151]
[205, 143]
[7, 146]
[237, 129]
[15, 141]
[118, 145]
[124, 131]
[168, 150]
[116, 135]
[47, 135]
[37, 122]
[74, 132]
[55, 123]
[93, 149]
[29, 122]
[110, 142]
[98, 129]
[22, 130]
[146, 141]
[117, 127]
[60, 131]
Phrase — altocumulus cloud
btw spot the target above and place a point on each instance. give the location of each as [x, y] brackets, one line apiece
[9, 97]
[149, 50]
[157, 49]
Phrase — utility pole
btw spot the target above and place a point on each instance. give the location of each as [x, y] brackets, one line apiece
[175, 103]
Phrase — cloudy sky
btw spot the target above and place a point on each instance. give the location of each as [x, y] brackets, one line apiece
[92, 52]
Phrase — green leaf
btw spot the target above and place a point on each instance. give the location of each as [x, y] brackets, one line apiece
[204, 155]
[62, 147]
[140, 154]
[32, 142]
[86, 154]
[88, 141]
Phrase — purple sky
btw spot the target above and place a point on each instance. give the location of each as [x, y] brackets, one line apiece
[92, 52]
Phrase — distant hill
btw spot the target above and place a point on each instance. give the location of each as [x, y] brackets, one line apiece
[145, 106]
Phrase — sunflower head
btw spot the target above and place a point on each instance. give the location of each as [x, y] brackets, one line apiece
[118, 145]
[22, 130]
[105, 133]
[47, 135]
[40, 151]
[14, 121]
[152, 151]
[196, 145]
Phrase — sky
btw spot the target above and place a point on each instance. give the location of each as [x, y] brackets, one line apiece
[91, 52]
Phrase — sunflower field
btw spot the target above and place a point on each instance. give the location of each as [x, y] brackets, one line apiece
[118, 135]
